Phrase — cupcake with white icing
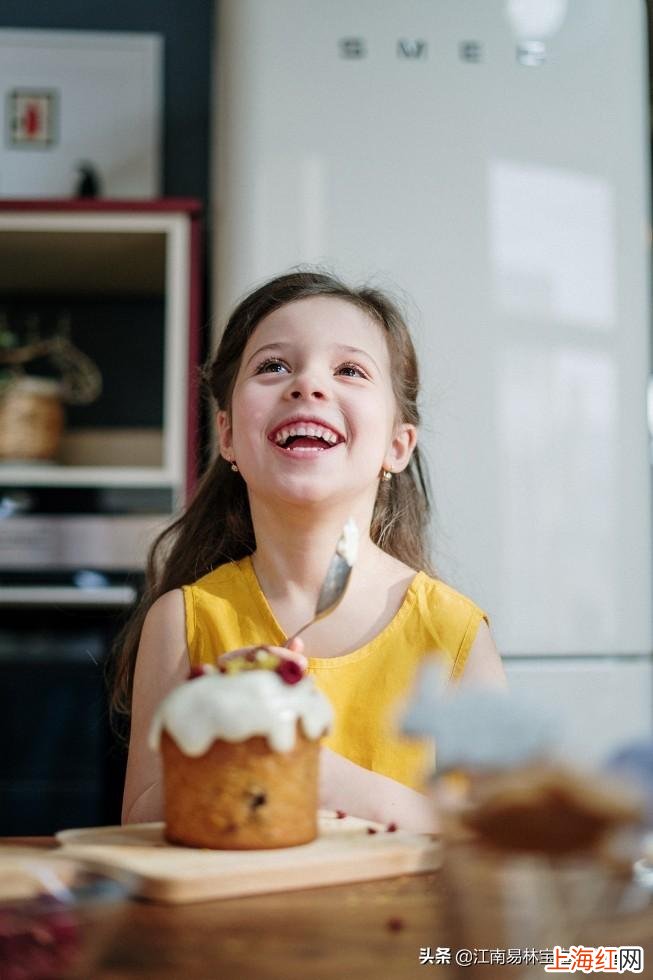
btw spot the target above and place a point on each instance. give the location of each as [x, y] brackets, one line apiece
[240, 755]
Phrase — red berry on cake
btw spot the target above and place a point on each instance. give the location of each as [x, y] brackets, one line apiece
[290, 671]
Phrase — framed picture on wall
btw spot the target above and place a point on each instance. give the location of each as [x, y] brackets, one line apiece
[71, 99]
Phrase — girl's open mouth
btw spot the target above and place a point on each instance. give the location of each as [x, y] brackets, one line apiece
[305, 438]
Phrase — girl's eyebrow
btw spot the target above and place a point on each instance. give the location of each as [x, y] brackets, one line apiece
[276, 346]
[356, 350]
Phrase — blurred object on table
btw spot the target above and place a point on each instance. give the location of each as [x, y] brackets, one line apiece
[56, 915]
[538, 849]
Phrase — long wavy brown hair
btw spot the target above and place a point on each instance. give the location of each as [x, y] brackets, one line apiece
[217, 526]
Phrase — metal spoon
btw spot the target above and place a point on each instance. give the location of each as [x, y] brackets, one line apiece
[333, 587]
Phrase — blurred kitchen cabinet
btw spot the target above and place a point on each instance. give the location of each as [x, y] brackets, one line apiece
[123, 277]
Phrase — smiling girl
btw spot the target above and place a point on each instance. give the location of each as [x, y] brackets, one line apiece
[316, 386]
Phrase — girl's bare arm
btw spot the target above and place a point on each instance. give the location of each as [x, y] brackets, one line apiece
[161, 665]
[484, 666]
[371, 796]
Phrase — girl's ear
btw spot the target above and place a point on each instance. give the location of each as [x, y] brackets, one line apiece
[401, 448]
[225, 436]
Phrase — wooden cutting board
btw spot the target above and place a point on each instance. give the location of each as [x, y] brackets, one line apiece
[344, 851]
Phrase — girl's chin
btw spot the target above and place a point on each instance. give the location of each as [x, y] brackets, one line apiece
[305, 488]
[307, 493]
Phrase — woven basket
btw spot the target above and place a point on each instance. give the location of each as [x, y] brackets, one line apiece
[31, 419]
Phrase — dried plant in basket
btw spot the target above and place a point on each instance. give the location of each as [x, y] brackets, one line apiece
[31, 405]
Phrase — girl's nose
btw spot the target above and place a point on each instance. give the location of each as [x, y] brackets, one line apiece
[307, 385]
[298, 393]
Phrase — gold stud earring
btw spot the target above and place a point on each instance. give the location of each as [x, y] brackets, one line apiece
[387, 474]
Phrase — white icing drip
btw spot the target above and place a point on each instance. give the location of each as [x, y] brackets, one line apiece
[347, 546]
[238, 706]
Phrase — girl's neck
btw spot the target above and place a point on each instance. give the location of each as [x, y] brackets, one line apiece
[293, 550]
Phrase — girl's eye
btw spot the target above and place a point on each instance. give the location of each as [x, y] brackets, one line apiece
[271, 365]
[352, 370]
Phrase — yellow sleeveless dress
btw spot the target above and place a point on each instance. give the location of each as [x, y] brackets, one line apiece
[226, 609]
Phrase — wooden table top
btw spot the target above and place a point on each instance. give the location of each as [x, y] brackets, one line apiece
[363, 930]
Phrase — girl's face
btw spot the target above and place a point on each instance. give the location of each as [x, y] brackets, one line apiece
[313, 410]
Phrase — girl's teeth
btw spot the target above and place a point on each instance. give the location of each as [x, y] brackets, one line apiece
[312, 431]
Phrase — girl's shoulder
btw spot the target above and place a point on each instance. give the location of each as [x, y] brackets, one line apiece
[433, 592]
[223, 578]
[163, 636]
[444, 596]
[444, 612]
[452, 620]
[223, 594]
[167, 609]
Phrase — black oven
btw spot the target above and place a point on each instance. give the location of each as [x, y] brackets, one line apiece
[61, 765]
[70, 572]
